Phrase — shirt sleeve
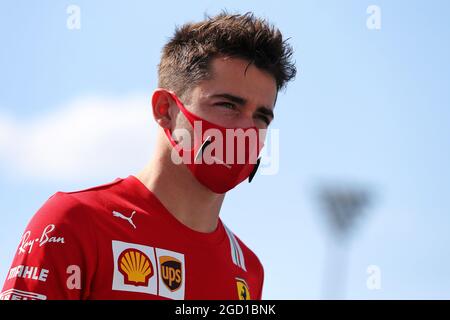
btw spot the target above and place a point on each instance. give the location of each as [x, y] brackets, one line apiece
[57, 254]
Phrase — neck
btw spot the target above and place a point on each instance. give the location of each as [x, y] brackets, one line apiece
[187, 200]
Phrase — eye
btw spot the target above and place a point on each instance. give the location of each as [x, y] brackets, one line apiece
[263, 118]
[227, 105]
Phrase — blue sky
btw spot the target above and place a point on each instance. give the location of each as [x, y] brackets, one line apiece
[368, 107]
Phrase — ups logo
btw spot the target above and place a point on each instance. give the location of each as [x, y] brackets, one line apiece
[171, 272]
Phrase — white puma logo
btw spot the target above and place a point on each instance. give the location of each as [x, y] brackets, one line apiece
[221, 162]
[120, 215]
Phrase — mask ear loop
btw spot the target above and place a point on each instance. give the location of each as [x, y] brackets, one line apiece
[189, 117]
[255, 168]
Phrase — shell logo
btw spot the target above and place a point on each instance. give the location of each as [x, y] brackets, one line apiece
[136, 267]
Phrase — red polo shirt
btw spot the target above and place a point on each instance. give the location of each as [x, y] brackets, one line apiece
[118, 241]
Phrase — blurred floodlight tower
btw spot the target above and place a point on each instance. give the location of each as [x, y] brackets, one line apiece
[343, 206]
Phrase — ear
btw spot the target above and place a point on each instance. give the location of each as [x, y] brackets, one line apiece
[161, 101]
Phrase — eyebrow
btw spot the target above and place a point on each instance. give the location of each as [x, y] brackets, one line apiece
[241, 101]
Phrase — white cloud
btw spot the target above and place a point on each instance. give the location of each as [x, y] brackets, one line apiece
[96, 137]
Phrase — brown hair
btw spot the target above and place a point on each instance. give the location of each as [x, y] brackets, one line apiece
[185, 58]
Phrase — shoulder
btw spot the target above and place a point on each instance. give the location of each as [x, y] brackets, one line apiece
[60, 215]
[78, 202]
[58, 227]
[244, 256]
[71, 209]
[92, 195]
[59, 208]
[252, 257]
[246, 259]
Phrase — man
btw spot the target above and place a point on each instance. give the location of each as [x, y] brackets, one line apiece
[157, 234]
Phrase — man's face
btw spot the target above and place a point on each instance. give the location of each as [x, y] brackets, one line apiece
[234, 97]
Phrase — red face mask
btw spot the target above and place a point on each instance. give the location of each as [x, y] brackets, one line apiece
[221, 157]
